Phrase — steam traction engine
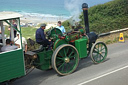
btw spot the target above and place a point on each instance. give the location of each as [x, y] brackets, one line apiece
[68, 49]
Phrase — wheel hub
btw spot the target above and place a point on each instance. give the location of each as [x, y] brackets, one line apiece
[67, 60]
[100, 52]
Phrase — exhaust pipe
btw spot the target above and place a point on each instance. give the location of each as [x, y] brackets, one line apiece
[85, 13]
[91, 35]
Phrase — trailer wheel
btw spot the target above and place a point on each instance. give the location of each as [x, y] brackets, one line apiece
[65, 59]
[98, 52]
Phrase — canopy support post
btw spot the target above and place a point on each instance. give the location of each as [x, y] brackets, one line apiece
[2, 30]
[12, 31]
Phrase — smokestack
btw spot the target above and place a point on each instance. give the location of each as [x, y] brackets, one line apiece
[85, 13]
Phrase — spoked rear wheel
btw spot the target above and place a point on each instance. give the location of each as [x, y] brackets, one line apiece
[65, 59]
[99, 52]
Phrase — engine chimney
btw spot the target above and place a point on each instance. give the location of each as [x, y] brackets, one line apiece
[85, 13]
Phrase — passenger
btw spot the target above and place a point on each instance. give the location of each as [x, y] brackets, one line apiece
[24, 42]
[61, 27]
[40, 37]
[8, 46]
[15, 32]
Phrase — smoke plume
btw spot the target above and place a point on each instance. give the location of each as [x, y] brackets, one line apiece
[74, 7]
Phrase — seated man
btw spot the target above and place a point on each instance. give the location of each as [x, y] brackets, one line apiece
[24, 42]
[8, 46]
[40, 37]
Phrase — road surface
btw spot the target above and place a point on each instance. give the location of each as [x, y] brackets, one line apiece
[114, 71]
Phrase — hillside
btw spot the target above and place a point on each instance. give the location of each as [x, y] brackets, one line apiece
[107, 17]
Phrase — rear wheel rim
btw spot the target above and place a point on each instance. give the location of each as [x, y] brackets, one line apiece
[66, 59]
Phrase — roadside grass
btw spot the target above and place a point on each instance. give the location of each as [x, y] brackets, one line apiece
[28, 32]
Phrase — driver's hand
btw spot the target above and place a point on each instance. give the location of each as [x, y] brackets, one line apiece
[49, 40]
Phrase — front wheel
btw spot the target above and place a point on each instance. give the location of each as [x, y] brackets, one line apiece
[98, 52]
[65, 59]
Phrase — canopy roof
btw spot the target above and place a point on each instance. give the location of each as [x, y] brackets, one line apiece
[9, 15]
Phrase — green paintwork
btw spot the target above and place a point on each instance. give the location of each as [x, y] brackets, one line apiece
[66, 52]
[74, 36]
[12, 62]
[59, 42]
[54, 33]
[11, 65]
[82, 31]
[67, 38]
[81, 46]
[43, 62]
[44, 57]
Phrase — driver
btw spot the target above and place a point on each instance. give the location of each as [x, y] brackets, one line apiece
[40, 37]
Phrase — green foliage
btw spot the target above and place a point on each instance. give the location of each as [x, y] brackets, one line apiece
[107, 17]
[108, 42]
[28, 32]
[66, 24]
[7, 32]
[125, 36]
[116, 39]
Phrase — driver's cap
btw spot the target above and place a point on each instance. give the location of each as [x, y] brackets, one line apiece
[43, 25]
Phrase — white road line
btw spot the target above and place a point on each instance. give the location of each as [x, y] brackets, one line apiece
[103, 75]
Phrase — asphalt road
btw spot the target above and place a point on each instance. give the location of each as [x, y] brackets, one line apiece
[114, 71]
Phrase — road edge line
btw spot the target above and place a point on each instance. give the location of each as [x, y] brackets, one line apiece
[102, 75]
